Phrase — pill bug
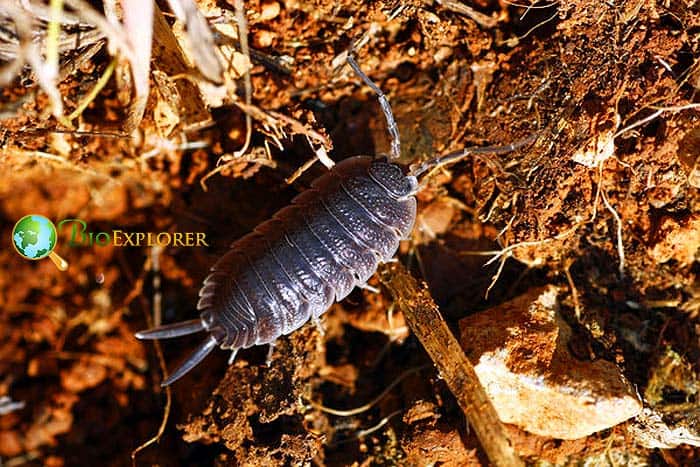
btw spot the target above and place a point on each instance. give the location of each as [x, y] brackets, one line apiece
[310, 254]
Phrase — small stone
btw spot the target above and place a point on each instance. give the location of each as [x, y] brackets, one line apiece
[522, 358]
[436, 218]
[263, 38]
[270, 10]
[677, 240]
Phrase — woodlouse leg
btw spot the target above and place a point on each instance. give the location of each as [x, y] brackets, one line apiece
[383, 103]
[270, 351]
[319, 325]
[369, 288]
[232, 357]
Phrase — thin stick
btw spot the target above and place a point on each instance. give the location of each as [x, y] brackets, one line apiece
[242, 24]
[153, 263]
[423, 316]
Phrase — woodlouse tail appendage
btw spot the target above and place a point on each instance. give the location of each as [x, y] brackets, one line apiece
[182, 329]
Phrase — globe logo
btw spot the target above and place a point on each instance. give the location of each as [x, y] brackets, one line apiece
[34, 237]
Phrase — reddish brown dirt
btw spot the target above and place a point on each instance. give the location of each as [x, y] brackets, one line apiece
[573, 72]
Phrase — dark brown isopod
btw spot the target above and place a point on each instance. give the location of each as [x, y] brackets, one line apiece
[312, 253]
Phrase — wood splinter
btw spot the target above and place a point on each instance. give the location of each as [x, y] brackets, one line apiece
[424, 319]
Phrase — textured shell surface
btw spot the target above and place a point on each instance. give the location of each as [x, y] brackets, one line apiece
[310, 254]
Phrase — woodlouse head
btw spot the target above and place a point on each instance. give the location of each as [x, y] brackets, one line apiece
[393, 179]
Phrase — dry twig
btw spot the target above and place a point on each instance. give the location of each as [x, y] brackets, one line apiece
[423, 316]
[153, 263]
[478, 17]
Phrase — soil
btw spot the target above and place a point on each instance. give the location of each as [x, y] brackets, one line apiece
[604, 203]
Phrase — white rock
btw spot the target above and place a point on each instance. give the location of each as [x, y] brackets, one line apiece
[521, 355]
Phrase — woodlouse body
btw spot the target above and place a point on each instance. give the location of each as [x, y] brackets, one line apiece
[331, 238]
[312, 253]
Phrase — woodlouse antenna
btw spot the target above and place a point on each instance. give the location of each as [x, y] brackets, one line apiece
[384, 104]
[462, 153]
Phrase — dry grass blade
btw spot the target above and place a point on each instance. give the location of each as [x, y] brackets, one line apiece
[242, 24]
[425, 321]
[138, 24]
[22, 38]
[112, 30]
[132, 39]
[29, 52]
[101, 83]
[199, 39]
[53, 31]
[76, 41]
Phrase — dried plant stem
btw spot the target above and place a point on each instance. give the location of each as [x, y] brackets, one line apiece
[424, 319]
[459, 7]
[247, 83]
[370, 404]
[101, 83]
[52, 36]
[153, 263]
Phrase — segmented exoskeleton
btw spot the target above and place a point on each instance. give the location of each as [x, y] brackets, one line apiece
[293, 267]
